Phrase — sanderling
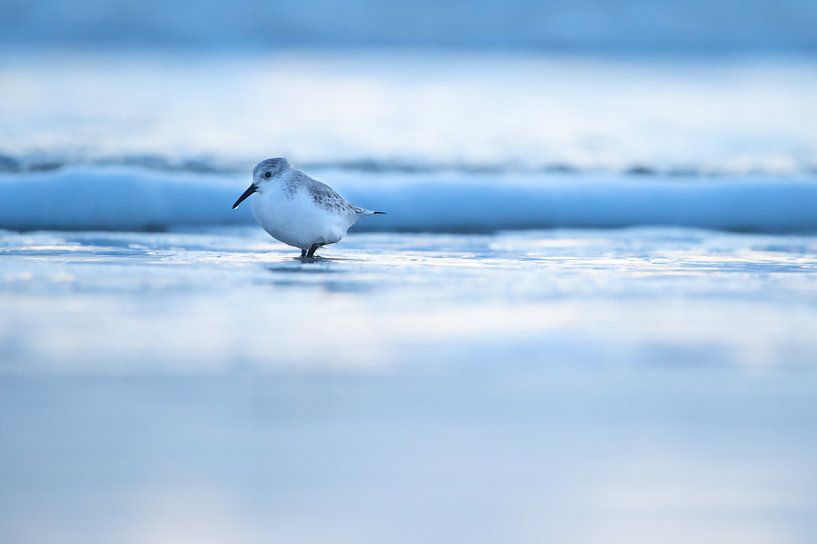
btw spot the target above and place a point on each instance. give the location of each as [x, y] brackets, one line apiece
[298, 210]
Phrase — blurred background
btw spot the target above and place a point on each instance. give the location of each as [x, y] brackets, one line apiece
[132, 61]
[594, 26]
[588, 315]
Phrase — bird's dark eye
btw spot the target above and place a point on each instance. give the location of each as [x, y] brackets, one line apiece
[268, 175]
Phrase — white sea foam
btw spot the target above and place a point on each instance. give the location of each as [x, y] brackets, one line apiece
[410, 108]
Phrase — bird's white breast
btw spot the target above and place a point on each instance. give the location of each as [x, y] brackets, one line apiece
[288, 213]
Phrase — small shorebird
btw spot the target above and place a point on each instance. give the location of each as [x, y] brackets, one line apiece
[298, 210]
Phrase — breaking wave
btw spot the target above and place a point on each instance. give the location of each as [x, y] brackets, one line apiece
[136, 198]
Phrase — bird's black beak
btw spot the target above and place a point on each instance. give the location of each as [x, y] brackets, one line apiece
[250, 190]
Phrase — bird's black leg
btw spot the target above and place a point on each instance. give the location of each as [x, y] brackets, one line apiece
[303, 253]
[312, 250]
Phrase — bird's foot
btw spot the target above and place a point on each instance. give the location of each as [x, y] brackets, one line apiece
[312, 250]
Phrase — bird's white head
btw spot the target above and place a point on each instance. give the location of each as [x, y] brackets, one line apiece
[264, 172]
[268, 169]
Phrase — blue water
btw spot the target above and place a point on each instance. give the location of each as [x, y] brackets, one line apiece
[588, 316]
[569, 385]
[445, 141]
[587, 25]
[137, 198]
[141, 302]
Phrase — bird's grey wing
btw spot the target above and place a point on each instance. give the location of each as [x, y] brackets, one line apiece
[324, 196]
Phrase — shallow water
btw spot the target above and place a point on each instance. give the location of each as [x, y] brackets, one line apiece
[381, 300]
[633, 385]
